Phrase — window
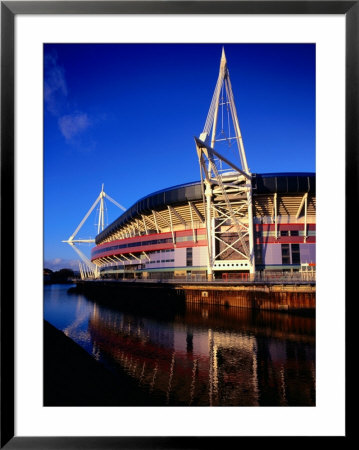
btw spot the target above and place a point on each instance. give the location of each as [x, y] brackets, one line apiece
[284, 233]
[258, 254]
[295, 254]
[184, 238]
[268, 233]
[309, 233]
[189, 256]
[285, 254]
[294, 233]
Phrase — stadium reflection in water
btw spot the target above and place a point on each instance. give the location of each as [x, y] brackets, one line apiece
[200, 355]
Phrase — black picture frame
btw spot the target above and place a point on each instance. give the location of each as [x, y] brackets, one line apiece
[9, 9]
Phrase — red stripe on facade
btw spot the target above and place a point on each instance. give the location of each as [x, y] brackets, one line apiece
[148, 237]
[150, 247]
[284, 226]
[285, 240]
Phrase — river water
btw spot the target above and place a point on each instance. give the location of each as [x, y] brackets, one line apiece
[195, 355]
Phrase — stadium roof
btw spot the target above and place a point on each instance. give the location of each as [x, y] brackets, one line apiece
[268, 183]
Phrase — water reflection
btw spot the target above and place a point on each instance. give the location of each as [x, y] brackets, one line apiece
[197, 355]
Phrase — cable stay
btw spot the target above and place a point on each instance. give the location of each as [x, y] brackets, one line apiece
[89, 269]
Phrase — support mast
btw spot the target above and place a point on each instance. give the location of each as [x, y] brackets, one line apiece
[93, 268]
[227, 194]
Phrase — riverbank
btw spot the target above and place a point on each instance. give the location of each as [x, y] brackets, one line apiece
[288, 296]
[74, 378]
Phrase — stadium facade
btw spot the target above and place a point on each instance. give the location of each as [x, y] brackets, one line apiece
[230, 224]
[164, 234]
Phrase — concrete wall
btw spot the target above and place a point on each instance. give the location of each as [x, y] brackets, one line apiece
[307, 253]
[160, 256]
[272, 254]
[200, 256]
[180, 257]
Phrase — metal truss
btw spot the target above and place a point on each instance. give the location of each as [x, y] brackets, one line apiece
[226, 187]
[89, 269]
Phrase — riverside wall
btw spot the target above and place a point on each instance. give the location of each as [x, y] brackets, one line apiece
[260, 296]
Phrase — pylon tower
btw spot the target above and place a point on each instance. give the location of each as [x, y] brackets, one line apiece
[226, 185]
[91, 270]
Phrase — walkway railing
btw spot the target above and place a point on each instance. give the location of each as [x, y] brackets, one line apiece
[290, 278]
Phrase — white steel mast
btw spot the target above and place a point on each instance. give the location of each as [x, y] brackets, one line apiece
[227, 194]
[100, 227]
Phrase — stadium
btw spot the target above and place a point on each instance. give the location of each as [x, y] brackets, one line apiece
[164, 234]
[230, 224]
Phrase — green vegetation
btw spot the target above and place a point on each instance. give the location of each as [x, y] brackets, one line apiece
[59, 276]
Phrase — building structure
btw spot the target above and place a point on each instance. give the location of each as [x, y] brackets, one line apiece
[164, 234]
[230, 223]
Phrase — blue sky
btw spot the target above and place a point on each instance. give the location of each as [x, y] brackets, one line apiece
[126, 116]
